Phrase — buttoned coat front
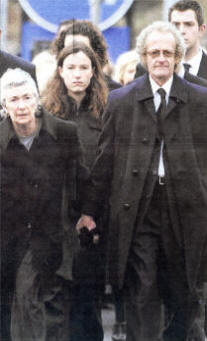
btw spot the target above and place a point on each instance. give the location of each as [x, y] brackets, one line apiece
[124, 159]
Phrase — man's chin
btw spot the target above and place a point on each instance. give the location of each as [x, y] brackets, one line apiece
[161, 78]
[162, 74]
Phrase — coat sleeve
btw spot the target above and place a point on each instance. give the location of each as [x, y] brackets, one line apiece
[97, 189]
[77, 173]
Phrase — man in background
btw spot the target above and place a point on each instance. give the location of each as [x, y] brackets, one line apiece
[188, 17]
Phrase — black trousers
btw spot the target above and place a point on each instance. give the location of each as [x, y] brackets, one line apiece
[156, 281]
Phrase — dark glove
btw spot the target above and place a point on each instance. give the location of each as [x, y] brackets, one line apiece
[88, 238]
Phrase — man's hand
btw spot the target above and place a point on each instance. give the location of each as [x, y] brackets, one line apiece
[85, 221]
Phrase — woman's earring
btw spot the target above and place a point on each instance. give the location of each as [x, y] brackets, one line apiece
[38, 111]
[3, 113]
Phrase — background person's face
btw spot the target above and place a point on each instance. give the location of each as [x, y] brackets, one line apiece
[129, 73]
[21, 104]
[76, 72]
[186, 23]
[71, 38]
[160, 56]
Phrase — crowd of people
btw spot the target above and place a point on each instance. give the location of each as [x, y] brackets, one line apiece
[104, 180]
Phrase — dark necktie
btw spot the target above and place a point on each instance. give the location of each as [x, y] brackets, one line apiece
[187, 66]
[161, 111]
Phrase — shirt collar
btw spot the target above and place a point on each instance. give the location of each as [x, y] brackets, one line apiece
[166, 86]
[195, 62]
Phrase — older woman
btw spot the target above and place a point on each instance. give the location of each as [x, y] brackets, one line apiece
[39, 154]
[78, 93]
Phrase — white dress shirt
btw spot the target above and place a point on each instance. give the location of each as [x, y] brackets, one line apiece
[181, 72]
[157, 100]
[195, 62]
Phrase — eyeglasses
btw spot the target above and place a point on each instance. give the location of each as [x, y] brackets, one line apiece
[156, 53]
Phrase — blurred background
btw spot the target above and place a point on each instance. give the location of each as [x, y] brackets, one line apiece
[28, 26]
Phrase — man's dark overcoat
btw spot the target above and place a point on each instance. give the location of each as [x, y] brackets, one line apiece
[124, 158]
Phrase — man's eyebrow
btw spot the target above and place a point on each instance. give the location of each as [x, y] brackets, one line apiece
[183, 21]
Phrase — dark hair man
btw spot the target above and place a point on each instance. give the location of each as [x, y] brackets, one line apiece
[152, 165]
[188, 17]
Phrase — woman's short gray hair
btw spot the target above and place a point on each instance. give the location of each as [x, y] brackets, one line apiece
[164, 27]
[13, 78]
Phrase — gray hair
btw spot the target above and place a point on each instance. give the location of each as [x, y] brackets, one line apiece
[13, 78]
[163, 27]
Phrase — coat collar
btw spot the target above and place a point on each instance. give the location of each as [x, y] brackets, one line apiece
[203, 66]
[144, 93]
[178, 93]
[7, 131]
[49, 124]
[144, 90]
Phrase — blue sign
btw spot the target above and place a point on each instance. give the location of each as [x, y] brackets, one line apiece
[49, 13]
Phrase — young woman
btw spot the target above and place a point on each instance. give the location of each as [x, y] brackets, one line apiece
[78, 92]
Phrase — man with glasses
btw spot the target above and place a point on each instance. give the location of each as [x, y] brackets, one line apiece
[188, 17]
[152, 165]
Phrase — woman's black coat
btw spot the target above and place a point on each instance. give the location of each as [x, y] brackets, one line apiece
[31, 192]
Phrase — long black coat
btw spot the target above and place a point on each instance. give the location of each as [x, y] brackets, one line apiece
[88, 264]
[31, 191]
[122, 164]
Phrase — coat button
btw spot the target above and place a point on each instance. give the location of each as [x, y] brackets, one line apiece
[135, 172]
[29, 225]
[126, 207]
[144, 140]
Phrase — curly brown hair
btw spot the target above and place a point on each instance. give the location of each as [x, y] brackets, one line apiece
[84, 28]
[55, 96]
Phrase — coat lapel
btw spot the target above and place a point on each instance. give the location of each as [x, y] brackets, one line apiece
[144, 94]
[202, 72]
[178, 94]
[6, 133]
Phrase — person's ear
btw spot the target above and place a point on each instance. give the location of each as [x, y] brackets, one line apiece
[60, 70]
[202, 29]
